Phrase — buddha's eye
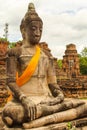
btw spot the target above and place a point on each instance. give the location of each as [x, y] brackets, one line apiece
[40, 29]
[33, 28]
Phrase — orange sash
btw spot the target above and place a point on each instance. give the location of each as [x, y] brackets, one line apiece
[29, 70]
[10, 96]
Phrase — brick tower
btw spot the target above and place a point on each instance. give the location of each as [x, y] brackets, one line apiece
[71, 61]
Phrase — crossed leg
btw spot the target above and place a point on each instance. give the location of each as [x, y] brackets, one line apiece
[13, 113]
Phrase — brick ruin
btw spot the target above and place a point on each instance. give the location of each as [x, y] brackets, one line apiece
[74, 88]
[71, 61]
[45, 49]
[75, 85]
[3, 87]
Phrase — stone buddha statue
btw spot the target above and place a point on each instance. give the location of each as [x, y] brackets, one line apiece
[36, 97]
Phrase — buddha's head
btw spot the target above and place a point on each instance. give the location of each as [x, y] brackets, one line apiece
[31, 26]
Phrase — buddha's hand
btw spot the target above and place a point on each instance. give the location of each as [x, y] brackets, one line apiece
[30, 108]
[52, 101]
[57, 93]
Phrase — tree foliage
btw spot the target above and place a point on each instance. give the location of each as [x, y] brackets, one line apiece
[59, 63]
[3, 40]
[12, 44]
[84, 52]
[83, 61]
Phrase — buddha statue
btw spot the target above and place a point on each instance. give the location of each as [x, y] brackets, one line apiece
[37, 100]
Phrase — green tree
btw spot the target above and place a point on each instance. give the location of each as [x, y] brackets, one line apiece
[83, 61]
[59, 63]
[84, 52]
[12, 44]
[3, 39]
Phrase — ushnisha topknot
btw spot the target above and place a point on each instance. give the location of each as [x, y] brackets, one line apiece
[31, 15]
[31, 7]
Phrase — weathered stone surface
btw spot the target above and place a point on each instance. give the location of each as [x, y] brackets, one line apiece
[79, 124]
[1, 122]
[45, 48]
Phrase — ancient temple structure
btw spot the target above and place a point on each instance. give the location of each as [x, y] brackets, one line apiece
[71, 61]
[75, 85]
[3, 87]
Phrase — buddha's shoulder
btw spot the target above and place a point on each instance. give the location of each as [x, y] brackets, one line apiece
[43, 54]
[16, 51]
[46, 55]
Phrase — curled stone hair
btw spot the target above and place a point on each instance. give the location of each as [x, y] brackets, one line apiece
[30, 16]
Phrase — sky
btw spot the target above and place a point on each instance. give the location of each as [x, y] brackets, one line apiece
[64, 22]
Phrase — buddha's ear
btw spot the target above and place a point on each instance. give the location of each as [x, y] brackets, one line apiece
[23, 32]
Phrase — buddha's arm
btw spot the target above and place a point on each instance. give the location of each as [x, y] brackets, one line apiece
[29, 106]
[57, 93]
[11, 72]
[52, 84]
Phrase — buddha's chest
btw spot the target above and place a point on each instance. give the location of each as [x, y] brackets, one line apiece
[40, 68]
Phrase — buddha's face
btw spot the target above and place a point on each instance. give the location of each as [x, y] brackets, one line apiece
[33, 32]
